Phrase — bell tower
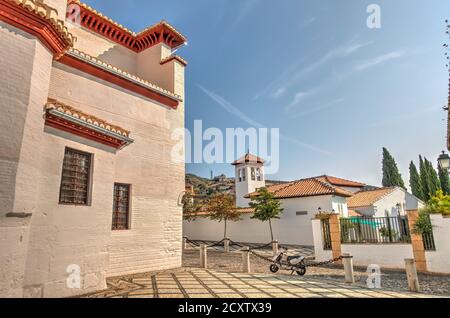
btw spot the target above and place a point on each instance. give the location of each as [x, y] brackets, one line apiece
[249, 176]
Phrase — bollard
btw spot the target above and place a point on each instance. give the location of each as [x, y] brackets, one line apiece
[411, 275]
[184, 243]
[226, 245]
[203, 256]
[246, 260]
[275, 248]
[347, 259]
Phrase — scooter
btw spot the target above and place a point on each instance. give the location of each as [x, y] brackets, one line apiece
[290, 263]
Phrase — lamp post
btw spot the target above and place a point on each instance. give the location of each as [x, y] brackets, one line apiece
[444, 161]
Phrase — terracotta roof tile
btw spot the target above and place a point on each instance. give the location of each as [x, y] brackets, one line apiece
[367, 198]
[305, 188]
[248, 158]
[341, 182]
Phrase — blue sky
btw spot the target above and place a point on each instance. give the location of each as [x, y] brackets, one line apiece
[337, 90]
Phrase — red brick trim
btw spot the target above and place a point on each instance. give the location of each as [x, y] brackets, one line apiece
[34, 24]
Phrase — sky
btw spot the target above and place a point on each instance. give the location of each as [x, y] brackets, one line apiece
[337, 90]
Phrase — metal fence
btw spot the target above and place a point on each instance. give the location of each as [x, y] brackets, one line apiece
[375, 230]
[428, 240]
[326, 234]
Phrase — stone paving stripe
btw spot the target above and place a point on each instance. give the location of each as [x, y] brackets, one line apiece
[275, 286]
[247, 284]
[204, 285]
[230, 287]
[183, 291]
[155, 286]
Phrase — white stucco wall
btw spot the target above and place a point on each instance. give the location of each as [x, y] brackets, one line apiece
[319, 253]
[248, 186]
[289, 229]
[388, 204]
[439, 260]
[385, 255]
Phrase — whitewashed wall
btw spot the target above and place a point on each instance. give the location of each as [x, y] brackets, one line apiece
[289, 229]
[439, 260]
[385, 255]
[388, 204]
[320, 254]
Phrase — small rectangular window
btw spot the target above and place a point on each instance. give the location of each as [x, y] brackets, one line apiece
[75, 180]
[121, 207]
[302, 213]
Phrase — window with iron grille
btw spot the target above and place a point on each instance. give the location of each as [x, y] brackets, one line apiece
[75, 179]
[121, 207]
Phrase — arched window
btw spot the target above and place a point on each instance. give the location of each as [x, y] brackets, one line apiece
[243, 174]
[253, 174]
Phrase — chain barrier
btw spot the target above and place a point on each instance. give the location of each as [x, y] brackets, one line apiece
[331, 261]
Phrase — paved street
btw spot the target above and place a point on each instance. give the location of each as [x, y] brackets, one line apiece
[199, 283]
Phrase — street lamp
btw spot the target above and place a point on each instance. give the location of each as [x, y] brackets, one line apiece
[444, 161]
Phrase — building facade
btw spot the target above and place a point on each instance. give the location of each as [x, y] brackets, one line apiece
[89, 187]
[301, 201]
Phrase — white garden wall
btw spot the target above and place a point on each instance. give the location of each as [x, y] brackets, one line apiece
[384, 255]
[439, 260]
[291, 228]
[320, 254]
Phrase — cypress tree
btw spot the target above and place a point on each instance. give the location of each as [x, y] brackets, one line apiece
[424, 180]
[391, 174]
[435, 185]
[445, 180]
[414, 181]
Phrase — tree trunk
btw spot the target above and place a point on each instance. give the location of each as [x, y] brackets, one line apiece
[225, 231]
[271, 232]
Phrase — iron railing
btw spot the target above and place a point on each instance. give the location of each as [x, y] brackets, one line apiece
[375, 230]
[428, 240]
[326, 234]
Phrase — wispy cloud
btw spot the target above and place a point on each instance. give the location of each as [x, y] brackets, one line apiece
[222, 102]
[297, 70]
[308, 21]
[243, 12]
[324, 106]
[298, 98]
[379, 60]
[278, 93]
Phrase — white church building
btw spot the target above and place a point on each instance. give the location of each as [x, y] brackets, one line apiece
[301, 201]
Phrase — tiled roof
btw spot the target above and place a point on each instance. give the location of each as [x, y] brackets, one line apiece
[49, 13]
[89, 119]
[367, 198]
[248, 158]
[305, 188]
[341, 182]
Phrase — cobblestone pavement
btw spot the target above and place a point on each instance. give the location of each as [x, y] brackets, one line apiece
[392, 280]
[199, 283]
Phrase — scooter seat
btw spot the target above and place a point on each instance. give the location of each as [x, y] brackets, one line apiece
[290, 259]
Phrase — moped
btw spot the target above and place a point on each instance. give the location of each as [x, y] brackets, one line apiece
[290, 263]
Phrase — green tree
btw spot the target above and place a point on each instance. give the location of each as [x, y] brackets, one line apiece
[266, 207]
[391, 174]
[438, 204]
[444, 180]
[425, 180]
[222, 207]
[414, 181]
[435, 185]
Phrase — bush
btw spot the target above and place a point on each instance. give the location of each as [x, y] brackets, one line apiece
[423, 224]
[438, 204]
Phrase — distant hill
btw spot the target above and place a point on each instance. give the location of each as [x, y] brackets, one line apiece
[204, 187]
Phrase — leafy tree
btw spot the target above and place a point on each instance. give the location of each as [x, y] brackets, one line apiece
[391, 174]
[444, 180]
[439, 204]
[222, 207]
[190, 206]
[425, 180]
[435, 185]
[415, 182]
[266, 207]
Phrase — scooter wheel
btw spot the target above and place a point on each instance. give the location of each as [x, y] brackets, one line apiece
[274, 268]
[301, 271]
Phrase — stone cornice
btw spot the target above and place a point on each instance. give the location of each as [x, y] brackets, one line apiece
[39, 20]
